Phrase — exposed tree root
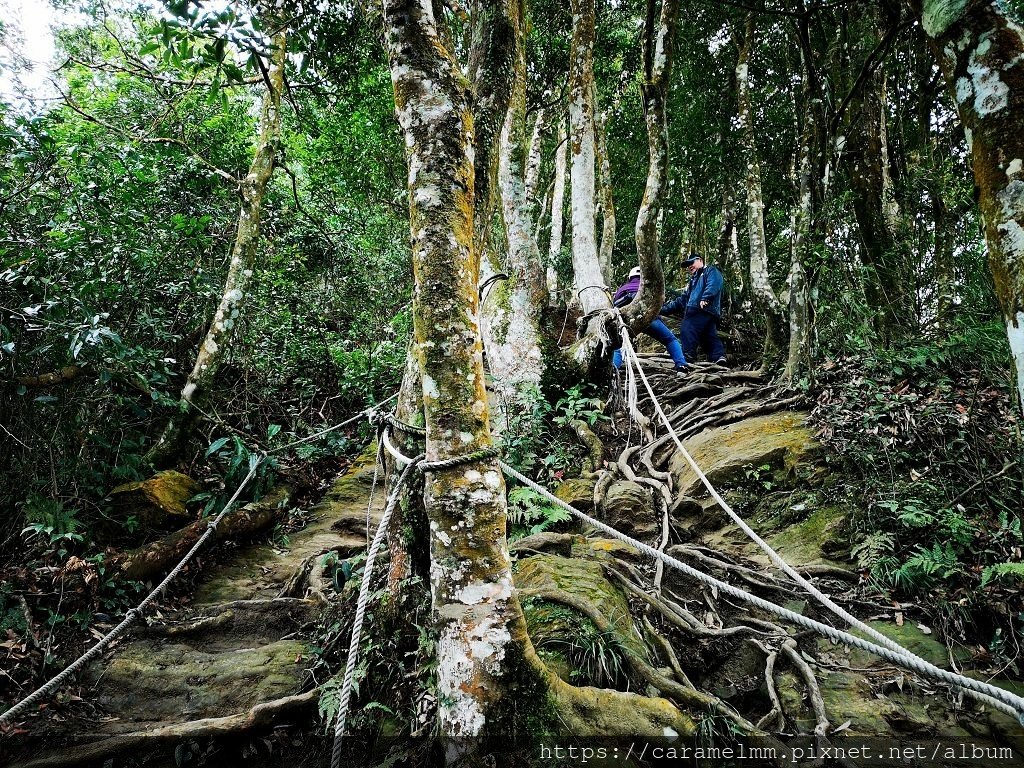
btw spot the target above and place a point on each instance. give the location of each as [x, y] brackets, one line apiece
[594, 446]
[686, 696]
[159, 556]
[259, 717]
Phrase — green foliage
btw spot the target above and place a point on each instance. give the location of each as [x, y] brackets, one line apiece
[529, 513]
[538, 437]
[595, 657]
[1002, 571]
[925, 431]
[236, 461]
[578, 404]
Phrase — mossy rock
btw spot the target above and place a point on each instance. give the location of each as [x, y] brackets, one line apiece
[911, 637]
[629, 507]
[353, 486]
[157, 502]
[556, 626]
[813, 539]
[780, 440]
[578, 492]
[174, 682]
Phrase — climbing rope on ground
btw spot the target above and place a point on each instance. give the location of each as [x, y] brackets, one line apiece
[1005, 701]
[630, 354]
[134, 614]
[411, 466]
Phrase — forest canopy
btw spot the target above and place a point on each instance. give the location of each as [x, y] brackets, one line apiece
[228, 229]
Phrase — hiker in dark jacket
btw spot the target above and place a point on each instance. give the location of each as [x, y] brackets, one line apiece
[623, 296]
[701, 307]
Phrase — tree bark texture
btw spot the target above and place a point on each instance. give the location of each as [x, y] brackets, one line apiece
[607, 199]
[480, 623]
[512, 310]
[557, 206]
[657, 49]
[798, 357]
[877, 213]
[981, 53]
[760, 283]
[491, 59]
[589, 284]
[221, 331]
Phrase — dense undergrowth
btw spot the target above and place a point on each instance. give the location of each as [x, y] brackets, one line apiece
[924, 445]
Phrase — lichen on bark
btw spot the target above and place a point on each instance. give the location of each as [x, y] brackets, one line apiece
[981, 53]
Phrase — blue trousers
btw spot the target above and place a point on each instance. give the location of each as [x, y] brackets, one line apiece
[701, 328]
[661, 332]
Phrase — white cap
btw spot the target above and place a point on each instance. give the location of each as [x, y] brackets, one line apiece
[634, 272]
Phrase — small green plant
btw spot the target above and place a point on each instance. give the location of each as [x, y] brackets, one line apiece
[595, 656]
[531, 513]
[1001, 571]
[577, 405]
[761, 475]
[237, 461]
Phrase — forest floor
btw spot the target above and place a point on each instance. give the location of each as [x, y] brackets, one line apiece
[231, 676]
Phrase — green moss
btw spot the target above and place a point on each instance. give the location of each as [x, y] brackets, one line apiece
[808, 540]
[527, 715]
[937, 16]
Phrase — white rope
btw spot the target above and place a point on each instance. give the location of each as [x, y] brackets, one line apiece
[853, 621]
[133, 614]
[629, 361]
[1006, 701]
[357, 624]
[373, 490]
[362, 414]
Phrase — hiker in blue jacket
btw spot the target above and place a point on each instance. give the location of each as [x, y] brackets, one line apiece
[624, 294]
[701, 307]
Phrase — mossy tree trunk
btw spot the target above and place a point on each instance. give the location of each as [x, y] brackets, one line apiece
[557, 206]
[981, 53]
[607, 198]
[657, 49]
[480, 622]
[877, 212]
[809, 193]
[765, 299]
[589, 283]
[221, 332]
[512, 310]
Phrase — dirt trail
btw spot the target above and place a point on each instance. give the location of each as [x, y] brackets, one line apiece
[234, 660]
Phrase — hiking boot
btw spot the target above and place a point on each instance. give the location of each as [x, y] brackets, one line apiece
[722, 361]
[681, 369]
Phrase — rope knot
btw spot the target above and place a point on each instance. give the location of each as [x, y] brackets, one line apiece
[377, 418]
[457, 461]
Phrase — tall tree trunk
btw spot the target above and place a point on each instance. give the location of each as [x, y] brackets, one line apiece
[877, 213]
[492, 58]
[765, 299]
[557, 208]
[945, 260]
[513, 310]
[657, 48]
[589, 284]
[981, 54]
[474, 604]
[221, 332]
[729, 253]
[797, 359]
[533, 158]
[607, 199]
